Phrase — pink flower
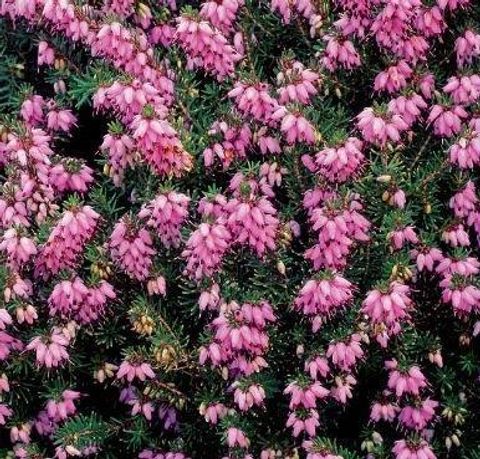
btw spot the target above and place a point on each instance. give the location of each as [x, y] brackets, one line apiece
[46, 54]
[5, 319]
[452, 4]
[417, 417]
[4, 386]
[305, 394]
[394, 78]
[317, 367]
[206, 47]
[51, 349]
[299, 84]
[17, 288]
[18, 247]
[342, 388]
[324, 296]
[159, 144]
[464, 202]
[409, 381]
[409, 108]
[286, 9]
[344, 355]
[163, 34]
[383, 411]
[237, 438]
[148, 454]
[66, 241]
[122, 8]
[21, 433]
[73, 299]
[32, 110]
[210, 298]
[213, 412]
[255, 101]
[430, 21]
[354, 22]
[221, 14]
[60, 120]
[339, 224]
[119, 148]
[398, 199]
[465, 152]
[463, 89]
[467, 47]
[388, 307]
[400, 236]
[132, 249]
[308, 422]
[8, 344]
[240, 338]
[248, 396]
[446, 121]
[157, 286]
[456, 236]
[234, 143]
[426, 84]
[128, 99]
[420, 450]
[340, 52]
[5, 413]
[205, 249]
[463, 295]
[378, 127]
[315, 451]
[426, 257]
[294, 126]
[166, 214]
[26, 313]
[463, 266]
[131, 370]
[340, 163]
[146, 409]
[252, 221]
[71, 175]
[63, 407]
[436, 358]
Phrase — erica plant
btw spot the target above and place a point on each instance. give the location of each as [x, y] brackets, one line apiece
[239, 229]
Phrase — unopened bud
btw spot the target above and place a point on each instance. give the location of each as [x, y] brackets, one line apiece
[225, 373]
[70, 449]
[377, 438]
[448, 442]
[455, 439]
[300, 350]
[384, 178]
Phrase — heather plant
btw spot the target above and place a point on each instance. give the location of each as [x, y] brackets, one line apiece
[239, 229]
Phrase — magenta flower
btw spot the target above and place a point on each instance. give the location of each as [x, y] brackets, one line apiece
[388, 308]
[410, 381]
[418, 416]
[383, 411]
[410, 450]
[135, 370]
[66, 241]
[132, 249]
[50, 350]
[166, 214]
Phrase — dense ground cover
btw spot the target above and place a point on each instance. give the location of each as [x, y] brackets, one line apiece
[239, 229]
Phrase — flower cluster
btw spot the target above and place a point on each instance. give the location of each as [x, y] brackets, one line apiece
[239, 230]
